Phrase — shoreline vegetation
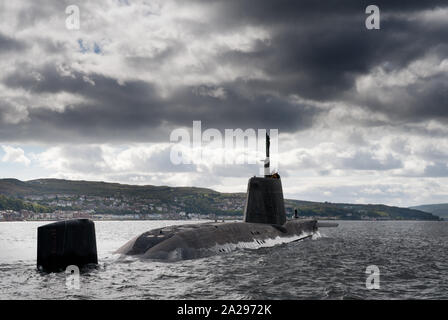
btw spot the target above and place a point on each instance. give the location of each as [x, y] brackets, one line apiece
[55, 199]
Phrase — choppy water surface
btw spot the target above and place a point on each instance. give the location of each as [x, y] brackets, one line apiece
[412, 258]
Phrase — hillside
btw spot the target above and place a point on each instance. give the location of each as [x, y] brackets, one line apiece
[7, 203]
[440, 209]
[114, 198]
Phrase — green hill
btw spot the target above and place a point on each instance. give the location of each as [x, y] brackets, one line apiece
[7, 203]
[125, 199]
[440, 209]
[19, 188]
[363, 211]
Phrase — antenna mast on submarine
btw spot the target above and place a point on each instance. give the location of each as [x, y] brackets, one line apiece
[267, 172]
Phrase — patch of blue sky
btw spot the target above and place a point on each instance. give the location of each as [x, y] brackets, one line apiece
[85, 47]
[96, 48]
[82, 47]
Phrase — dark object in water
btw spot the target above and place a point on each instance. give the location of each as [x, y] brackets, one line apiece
[65, 243]
[264, 225]
[204, 239]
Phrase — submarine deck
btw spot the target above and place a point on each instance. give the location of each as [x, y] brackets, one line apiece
[191, 240]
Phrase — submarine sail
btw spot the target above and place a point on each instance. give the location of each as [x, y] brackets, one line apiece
[264, 200]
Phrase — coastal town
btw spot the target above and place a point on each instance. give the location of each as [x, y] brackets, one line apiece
[65, 206]
[26, 215]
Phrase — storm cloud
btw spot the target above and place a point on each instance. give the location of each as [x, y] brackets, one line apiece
[346, 100]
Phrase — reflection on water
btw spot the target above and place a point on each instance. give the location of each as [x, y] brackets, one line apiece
[411, 257]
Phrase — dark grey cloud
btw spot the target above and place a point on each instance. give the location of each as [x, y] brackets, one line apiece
[10, 44]
[157, 60]
[433, 153]
[423, 100]
[316, 50]
[364, 160]
[135, 110]
[319, 48]
[236, 13]
[39, 11]
[438, 169]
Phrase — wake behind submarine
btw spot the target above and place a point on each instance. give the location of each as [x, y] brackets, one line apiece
[265, 224]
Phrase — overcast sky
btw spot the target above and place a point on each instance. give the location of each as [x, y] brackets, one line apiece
[362, 114]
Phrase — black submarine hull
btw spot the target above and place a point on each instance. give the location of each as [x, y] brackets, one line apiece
[264, 224]
[204, 239]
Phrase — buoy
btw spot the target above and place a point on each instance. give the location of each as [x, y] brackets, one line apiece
[65, 243]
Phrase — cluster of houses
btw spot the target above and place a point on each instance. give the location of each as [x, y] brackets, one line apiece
[119, 207]
[106, 204]
[25, 215]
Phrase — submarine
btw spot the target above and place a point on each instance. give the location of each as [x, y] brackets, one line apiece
[73, 242]
[264, 225]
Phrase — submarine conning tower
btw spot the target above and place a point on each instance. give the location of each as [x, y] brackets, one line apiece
[264, 201]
